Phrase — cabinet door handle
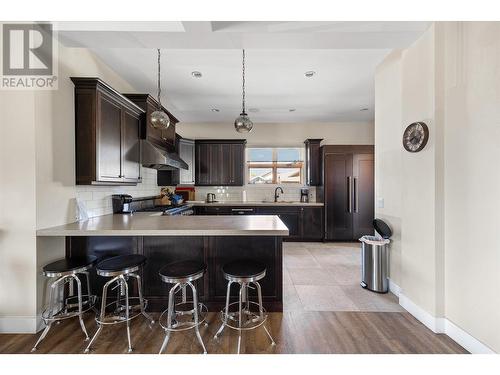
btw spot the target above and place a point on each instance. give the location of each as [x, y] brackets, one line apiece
[355, 194]
[349, 194]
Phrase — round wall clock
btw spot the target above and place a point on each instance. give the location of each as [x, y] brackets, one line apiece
[415, 137]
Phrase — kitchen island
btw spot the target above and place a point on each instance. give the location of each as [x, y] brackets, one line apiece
[165, 239]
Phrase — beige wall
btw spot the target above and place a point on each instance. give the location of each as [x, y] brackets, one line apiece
[17, 209]
[388, 157]
[472, 178]
[55, 132]
[448, 193]
[38, 183]
[284, 134]
[419, 255]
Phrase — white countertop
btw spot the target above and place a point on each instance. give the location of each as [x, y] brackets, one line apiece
[154, 224]
[255, 203]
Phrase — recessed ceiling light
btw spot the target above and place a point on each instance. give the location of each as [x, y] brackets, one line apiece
[215, 110]
[309, 73]
[363, 109]
[292, 110]
[196, 74]
[253, 110]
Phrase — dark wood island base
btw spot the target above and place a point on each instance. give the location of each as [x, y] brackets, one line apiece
[215, 251]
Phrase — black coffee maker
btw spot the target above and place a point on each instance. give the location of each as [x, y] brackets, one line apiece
[304, 195]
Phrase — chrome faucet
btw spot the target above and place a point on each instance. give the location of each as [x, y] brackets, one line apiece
[276, 194]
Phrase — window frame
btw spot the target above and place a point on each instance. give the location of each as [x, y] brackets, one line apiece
[275, 165]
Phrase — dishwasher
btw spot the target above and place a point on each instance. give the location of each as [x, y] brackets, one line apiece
[242, 211]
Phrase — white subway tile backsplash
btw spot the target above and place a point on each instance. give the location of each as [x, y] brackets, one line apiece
[97, 199]
[253, 193]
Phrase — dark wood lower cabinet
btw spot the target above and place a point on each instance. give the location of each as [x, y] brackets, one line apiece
[214, 251]
[304, 223]
[312, 223]
[291, 217]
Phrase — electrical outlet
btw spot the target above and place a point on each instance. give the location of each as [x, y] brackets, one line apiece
[380, 202]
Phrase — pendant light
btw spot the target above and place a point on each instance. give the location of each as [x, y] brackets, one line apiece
[243, 124]
[159, 119]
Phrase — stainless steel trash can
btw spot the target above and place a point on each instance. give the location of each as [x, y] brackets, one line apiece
[375, 258]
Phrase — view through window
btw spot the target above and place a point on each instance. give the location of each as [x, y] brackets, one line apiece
[274, 165]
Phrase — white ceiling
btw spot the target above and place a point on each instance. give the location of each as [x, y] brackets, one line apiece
[343, 54]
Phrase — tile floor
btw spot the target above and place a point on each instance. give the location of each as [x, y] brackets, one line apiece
[325, 277]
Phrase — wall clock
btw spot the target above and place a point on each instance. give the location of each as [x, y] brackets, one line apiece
[415, 137]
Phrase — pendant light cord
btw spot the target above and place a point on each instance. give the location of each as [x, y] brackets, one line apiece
[159, 83]
[243, 69]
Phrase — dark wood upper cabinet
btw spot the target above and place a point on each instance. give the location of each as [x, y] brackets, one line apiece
[106, 134]
[313, 161]
[237, 176]
[347, 191]
[165, 139]
[186, 151]
[219, 162]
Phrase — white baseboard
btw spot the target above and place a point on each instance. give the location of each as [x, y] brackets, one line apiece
[20, 324]
[436, 325]
[394, 288]
[470, 343]
[443, 325]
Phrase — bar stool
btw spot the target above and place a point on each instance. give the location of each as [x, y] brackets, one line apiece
[244, 272]
[67, 270]
[120, 268]
[182, 274]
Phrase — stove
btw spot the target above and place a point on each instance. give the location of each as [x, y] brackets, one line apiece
[184, 210]
[125, 204]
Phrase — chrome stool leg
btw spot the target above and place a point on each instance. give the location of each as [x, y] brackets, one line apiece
[261, 313]
[171, 303]
[51, 313]
[226, 309]
[195, 308]
[240, 314]
[89, 290]
[127, 311]
[141, 300]
[103, 311]
[80, 313]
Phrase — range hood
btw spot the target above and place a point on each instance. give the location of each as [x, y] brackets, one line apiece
[156, 158]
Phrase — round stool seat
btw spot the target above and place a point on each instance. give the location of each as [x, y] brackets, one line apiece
[244, 270]
[121, 264]
[69, 266]
[182, 271]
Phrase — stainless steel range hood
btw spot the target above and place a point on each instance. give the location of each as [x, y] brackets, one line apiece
[156, 158]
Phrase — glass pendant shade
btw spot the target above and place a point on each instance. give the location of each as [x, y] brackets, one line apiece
[243, 124]
[160, 120]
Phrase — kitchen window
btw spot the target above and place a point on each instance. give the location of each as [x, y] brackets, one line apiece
[279, 165]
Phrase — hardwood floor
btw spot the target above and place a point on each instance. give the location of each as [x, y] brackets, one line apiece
[325, 311]
[294, 332]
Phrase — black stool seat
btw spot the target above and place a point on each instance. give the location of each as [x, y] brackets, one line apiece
[69, 264]
[244, 268]
[121, 262]
[182, 269]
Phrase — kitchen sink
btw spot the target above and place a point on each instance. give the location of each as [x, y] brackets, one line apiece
[264, 201]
